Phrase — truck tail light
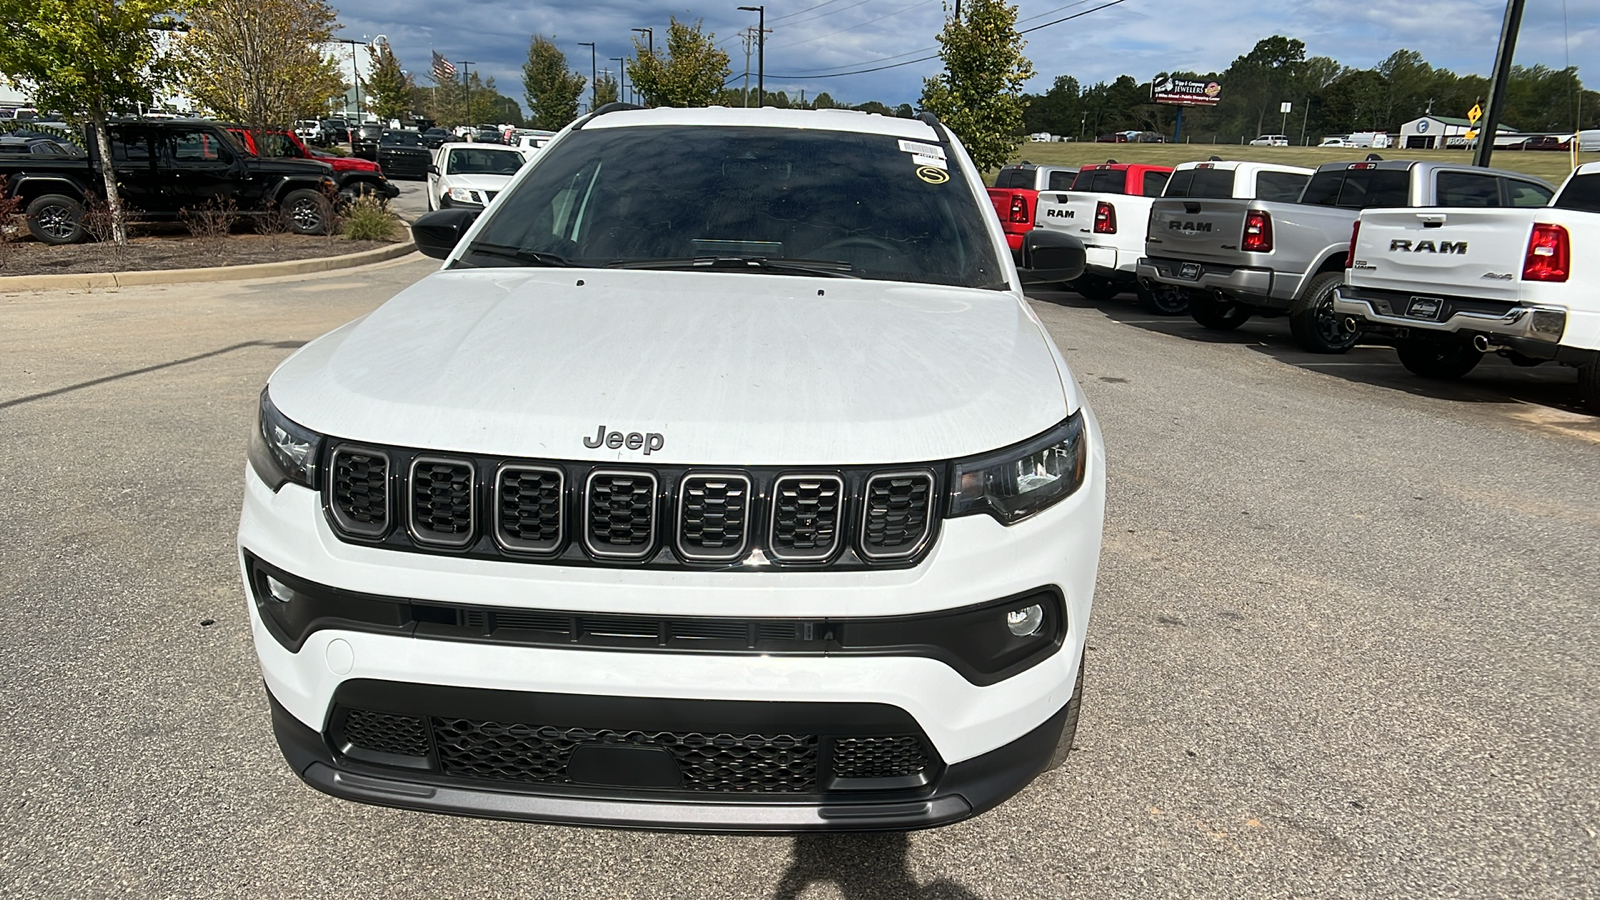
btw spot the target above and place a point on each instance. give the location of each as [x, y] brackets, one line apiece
[1105, 218]
[1549, 254]
[1350, 258]
[1257, 232]
[1019, 210]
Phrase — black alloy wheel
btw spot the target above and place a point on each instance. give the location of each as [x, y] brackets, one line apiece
[56, 219]
[1163, 299]
[1314, 324]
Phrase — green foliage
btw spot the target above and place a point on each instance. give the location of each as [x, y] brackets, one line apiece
[389, 87]
[605, 91]
[259, 62]
[367, 218]
[446, 103]
[979, 94]
[691, 74]
[552, 90]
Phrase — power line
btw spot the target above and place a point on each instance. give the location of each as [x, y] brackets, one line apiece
[831, 12]
[860, 24]
[806, 10]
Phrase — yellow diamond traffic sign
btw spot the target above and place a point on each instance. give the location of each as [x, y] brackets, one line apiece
[1474, 114]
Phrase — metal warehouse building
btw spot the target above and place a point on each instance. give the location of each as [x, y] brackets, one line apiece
[1439, 132]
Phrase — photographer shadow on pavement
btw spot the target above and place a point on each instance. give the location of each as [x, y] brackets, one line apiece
[862, 867]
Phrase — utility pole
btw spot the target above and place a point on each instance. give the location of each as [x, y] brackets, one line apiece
[466, 80]
[594, 74]
[1497, 82]
[761, 53]
[622, 78]
[749, 47]
[355, 75]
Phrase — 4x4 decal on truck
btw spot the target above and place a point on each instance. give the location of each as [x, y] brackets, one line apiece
[1457, 247]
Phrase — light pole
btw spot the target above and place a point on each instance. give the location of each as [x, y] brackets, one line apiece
[594, 73]
[355, 74]
[761, 52]
[650, 35]
[622, 76]
[466, 79]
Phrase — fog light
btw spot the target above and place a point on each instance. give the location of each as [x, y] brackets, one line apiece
[1025, 621]
[279, 591]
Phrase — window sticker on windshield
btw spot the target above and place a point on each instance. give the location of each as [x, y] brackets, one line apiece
[921, 149]
[928, 161]
[933, 175]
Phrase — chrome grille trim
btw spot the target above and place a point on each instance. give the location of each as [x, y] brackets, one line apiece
[814, 555]
[429, 536]
[523, 545]
[649, 547]
[341, 519]
[910, 547]
[724, 555]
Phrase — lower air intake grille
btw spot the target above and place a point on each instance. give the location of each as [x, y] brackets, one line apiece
[712, 516]
[896, 517]
[805, 516]
[359, 491]
[441, 502]
[385, 733]
[620, 514]
[528, 509]
[878, 757]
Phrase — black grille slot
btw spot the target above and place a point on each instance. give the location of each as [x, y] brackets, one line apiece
[528, 509]
[609, 626]
[384, 733]
[709, 631]
[719, 763]
[620, 511]
[489, 195]
[713, 511]
[895, 519]
[805, 516]
[777, 631]
[359, 491]
[441, 502]
[532, 621]
[879, 757]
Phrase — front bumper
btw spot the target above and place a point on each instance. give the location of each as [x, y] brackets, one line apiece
[1452, 315]
[1239, 280]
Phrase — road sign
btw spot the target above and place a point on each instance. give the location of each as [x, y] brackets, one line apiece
[1285, 108]
[1475, 113]
[1471, 135]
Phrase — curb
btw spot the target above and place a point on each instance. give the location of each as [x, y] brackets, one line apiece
[215, 273]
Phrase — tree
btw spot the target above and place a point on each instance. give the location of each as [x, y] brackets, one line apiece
[389, 87]
[605, 90]
[91, 59]
[1257, 82]
[979, 94]
[260, 62]
[691, 74]
[551, 88]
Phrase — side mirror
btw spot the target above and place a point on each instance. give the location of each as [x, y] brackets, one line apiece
[438, 232]
[433, 170]
[1045, 257]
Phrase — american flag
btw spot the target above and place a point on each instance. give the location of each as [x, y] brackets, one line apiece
[443, 69]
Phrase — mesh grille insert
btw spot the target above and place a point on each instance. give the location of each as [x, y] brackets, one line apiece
[896, 516]
[385, 733]
[805, 516]
[528, 509]
[712, 516]
[359, 491]
[441, 502]
[879, 757]
[621, 512]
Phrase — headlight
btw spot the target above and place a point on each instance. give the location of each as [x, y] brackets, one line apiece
[281, 451]
[463, 195]
[1015, 483]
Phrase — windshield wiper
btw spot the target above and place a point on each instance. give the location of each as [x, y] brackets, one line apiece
[518, 254]
[827, 268]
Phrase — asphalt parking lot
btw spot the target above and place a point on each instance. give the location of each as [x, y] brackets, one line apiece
[1343, 645]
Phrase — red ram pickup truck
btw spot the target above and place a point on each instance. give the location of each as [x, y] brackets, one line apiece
[354, 176]
[1016, 193]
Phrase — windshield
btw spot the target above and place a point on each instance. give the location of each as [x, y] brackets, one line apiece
[402, 139]
[477, 161]
[860, 205]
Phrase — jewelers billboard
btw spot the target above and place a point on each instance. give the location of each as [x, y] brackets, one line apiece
[1183, 92]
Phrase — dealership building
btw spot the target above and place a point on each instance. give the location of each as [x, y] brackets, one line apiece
[1439, 133]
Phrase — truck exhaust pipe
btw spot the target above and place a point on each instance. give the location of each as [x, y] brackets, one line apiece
[1480, 343]
[1349, 324]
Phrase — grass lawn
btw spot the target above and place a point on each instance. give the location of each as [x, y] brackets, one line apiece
[1551, 166]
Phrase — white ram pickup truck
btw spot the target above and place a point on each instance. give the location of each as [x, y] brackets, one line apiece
[678, 497]
[1449, 284]
[1107, 208]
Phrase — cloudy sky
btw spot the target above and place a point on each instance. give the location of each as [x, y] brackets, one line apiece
[1136, 37]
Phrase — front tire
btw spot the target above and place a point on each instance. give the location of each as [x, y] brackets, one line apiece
[1069, 730]
[307, 212]
[1162, 299]
[1313, 322]
[56, 219]
[1096, 287]
[1438, 360]
[1217, 315]
[1589, 386]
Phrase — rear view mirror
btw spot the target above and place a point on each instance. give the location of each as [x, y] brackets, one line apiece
[437, 233]
[1045, 257]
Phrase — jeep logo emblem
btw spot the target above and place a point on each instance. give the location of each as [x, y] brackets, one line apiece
[1456, 247]
[633, 440]
[1195, 227]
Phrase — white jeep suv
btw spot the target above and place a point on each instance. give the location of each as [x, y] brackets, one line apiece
[722, 479]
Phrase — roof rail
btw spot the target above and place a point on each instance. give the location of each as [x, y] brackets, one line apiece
[926, 116]
[615, 106]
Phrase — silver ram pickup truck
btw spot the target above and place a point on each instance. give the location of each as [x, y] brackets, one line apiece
[1273, 258]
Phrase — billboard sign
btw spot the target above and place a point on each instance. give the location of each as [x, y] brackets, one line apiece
[1183, 92]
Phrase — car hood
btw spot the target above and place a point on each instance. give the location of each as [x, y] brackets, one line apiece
[478, 182]
[729, 369]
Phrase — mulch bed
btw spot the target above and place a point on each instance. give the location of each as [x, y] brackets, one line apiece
[171, 251]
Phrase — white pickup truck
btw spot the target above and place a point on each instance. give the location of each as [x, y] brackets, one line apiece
[1449, 284]
[1106, 208]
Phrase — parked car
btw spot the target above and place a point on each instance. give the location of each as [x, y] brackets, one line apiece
[470, 175]
[1108, 208]
[678, 498]
[488, 136]
[12, 146]
[1116, 138]
[1547, 142]
[1336, 142]
[1015, 195]
[163, 167]
[1469, 279]
[309, 131]
[1271, 140]
[364, 141]
[355, 177]
[1149, 137]
[403, 154]
[434, 138]
[531, 142]
[335, 131]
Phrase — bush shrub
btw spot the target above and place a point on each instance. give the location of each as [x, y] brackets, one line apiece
[367, 218]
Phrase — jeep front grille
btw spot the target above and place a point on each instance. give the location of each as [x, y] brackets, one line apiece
[620, 514]
[442, 502]
[359, 491]
[528, 509]
[806, 513]
[713, 513]
[895, 516]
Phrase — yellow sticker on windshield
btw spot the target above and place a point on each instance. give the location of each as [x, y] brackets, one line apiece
[932, 175]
